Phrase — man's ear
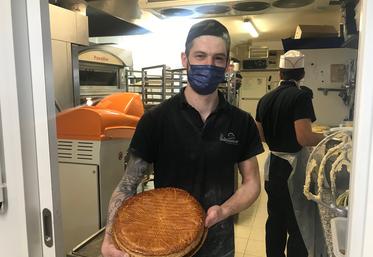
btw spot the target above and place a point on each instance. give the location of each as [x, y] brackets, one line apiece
[184, 60]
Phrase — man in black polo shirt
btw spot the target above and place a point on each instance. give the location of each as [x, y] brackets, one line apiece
[194, 140]
[284, 118]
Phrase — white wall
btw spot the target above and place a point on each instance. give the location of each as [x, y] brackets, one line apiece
[330, 109]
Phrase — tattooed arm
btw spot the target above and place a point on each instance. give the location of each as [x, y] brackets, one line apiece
[135, 171]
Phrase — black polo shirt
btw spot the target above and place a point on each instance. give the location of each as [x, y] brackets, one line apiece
[278, 110]
[196, 156]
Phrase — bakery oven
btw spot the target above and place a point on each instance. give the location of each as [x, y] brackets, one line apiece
[98, 71]
[98, 77]
[92, 144]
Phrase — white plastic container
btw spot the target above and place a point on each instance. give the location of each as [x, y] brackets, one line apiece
[339, 235]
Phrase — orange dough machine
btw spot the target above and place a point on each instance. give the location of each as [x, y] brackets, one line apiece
[92, 144]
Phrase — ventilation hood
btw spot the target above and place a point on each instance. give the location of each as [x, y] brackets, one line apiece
[102, 24]
[221, 8]
[107, 17]
[123, 9]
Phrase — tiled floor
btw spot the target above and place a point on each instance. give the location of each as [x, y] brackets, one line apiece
[249, 229]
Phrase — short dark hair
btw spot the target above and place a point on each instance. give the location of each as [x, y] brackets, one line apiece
[208, 27]
[295, 74]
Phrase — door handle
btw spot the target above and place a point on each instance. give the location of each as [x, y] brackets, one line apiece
[2, 195]
[249, 98]
[2, 169]
[47, 227]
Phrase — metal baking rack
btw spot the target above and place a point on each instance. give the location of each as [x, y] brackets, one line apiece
[155, 83]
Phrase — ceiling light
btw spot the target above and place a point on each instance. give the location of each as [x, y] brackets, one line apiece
[249, 26]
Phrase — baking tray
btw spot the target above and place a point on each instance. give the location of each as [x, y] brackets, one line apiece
[91, 247]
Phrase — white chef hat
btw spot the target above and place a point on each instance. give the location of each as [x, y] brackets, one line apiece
[292, 60]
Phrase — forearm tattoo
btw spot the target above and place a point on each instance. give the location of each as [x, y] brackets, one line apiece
[135, 171]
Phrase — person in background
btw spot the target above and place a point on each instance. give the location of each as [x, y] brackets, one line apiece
[234, 73]
[238, 81]
[232, 86]
[284, 117]
[194, 140]
[236, 85]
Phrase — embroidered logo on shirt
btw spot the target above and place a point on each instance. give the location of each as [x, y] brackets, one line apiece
[229, 139]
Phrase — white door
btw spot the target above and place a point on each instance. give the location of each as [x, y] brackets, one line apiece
[360, 231]
[252, 89]
[29, 219]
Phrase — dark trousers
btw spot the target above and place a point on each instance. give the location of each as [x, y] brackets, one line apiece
[281, 227]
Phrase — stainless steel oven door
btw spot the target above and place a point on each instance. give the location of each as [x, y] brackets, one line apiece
[98, 80]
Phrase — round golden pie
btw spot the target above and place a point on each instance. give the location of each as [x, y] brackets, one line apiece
[163, 222]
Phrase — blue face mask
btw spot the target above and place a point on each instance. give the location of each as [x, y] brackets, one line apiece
[204, 79]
